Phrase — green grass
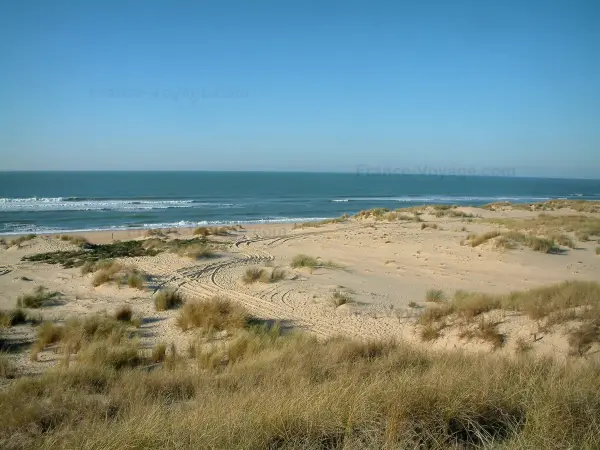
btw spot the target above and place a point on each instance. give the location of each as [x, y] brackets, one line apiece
[598, 250]
[167, 299]
[39, 297]
[92, 253]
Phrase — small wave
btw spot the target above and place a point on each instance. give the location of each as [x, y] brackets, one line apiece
[442, 199]
[15, 228]
[79, 204]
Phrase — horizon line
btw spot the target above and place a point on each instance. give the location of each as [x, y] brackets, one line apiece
[355, 172]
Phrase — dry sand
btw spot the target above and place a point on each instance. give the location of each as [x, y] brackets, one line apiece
[386, 267]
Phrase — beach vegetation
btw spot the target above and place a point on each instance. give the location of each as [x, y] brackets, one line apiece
[435, 296]
[340, 298]
[124, 313]
[39, 297]
[485, 330]
[79, 241]
[394, 395]
[21, 239]
[252, 274]
[214, 314]
[167, 299]
[14, 317]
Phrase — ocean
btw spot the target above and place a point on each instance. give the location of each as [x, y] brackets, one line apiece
[36, 202]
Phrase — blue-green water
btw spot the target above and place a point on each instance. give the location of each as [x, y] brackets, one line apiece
[61, 201]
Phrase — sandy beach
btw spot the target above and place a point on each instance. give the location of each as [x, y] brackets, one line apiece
[383, 268]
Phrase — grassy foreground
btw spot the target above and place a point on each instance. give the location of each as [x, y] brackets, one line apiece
[258, 389]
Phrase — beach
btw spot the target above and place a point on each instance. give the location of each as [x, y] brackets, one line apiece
[385, 268]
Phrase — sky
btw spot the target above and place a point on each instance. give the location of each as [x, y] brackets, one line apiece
[477, 86]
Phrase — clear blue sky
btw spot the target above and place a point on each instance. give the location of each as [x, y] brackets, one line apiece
[301, 85]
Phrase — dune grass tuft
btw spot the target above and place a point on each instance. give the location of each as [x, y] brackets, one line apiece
[302, 260]
[7, 368]
[429, 332]
[79, 241]
[167, 299]
[107, 271]
[38, 298]
[124, 313]
[435, 295]
[485, 330]
[340, 298]
[252, 275]
[214, 314]
[11, 318]
[264, 275]
[18, 241]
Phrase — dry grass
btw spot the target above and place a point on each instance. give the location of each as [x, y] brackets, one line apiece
[276, 274]
[252, 275]
[582, 226]
[435, 295]
[18, 241]
[167, 299]
[215, 231]
[79, 241]
[487, 331]
[476, 240]
[304, 261]
[38, 298]
[582, 338]
[340, 298]
[429, 332]
[550, 306]
[433, 226]
[111, 271]
[11, 318]
[320, 223]
[124, 313]
[262, 389]
[512, 239]
[598, 250]
[264, 275]
[197, 251]
[7, 368]
[522, 346]
[214, 314]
